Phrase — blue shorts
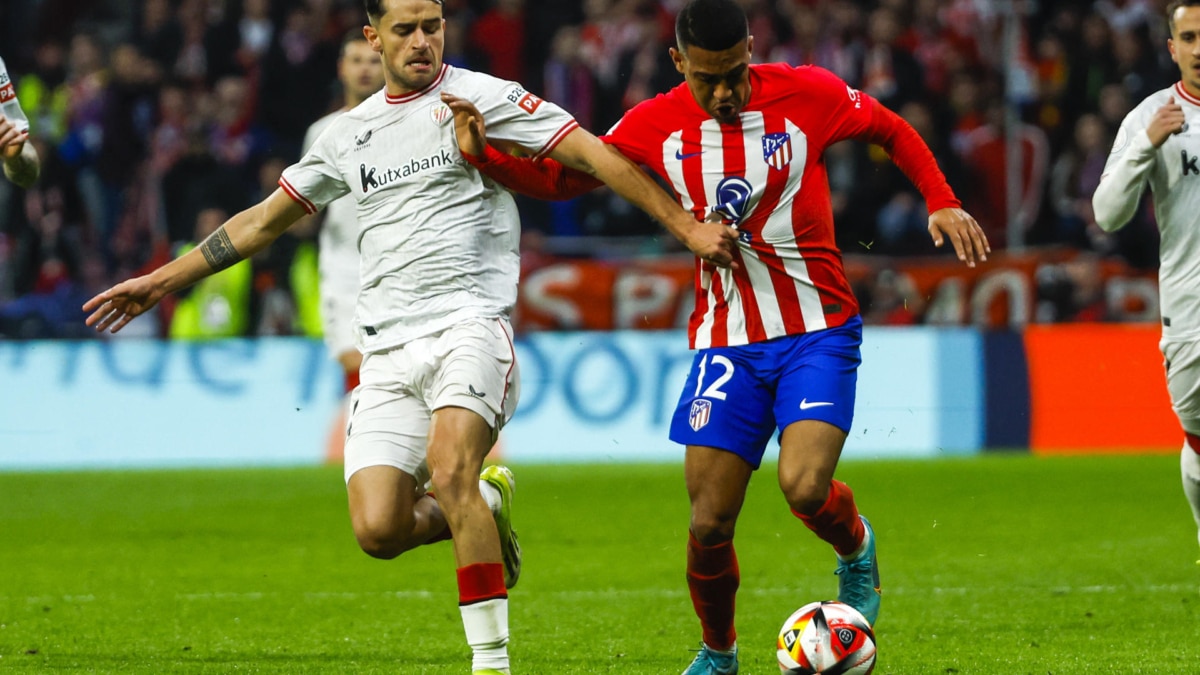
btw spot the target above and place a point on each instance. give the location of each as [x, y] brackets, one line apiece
[736, 397]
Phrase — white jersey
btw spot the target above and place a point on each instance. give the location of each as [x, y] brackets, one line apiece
[9, 107]
[437, 240]
[1173, 173]
[338, 239]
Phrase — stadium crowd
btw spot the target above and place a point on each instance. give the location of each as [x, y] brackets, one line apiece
[157, 119]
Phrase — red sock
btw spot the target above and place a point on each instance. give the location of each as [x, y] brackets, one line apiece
[351, 381]
[837, 520]
[479, 582]
[1193, 442]
[713, 577]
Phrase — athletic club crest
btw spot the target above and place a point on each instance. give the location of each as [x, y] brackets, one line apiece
[777, 150]
[440, 113]
[701, 409]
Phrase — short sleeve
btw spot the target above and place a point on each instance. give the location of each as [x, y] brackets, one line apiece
[628, 134]
[315, 181]
[513, 114]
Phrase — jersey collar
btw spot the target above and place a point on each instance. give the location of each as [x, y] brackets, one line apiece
[1183, 93]
[414, 95]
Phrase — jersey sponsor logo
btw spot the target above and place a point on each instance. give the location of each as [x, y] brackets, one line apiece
[529, 103]
[440, 113]
[1189, 163]
[855, 96]
[363, 139]
[733, 198]
[476, 394]
[523, 99]
[679, 154]
[6, 92]
[374, 178]
[777, 150]
[700, 414]
[805, 405]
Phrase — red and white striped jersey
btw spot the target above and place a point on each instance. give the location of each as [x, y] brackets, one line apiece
[766, 176]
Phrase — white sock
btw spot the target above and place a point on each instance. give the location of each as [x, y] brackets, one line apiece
[1189, 466]
[491, 495]
[486, 624]
[858, 551]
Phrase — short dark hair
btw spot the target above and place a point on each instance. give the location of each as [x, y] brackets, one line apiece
[715, 25]
[375, 8]
[351, 36]
[1173, 7]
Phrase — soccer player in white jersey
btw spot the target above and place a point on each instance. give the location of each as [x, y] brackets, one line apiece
[438, 280]
[21, 164]
[361, 73]
[1159, 144]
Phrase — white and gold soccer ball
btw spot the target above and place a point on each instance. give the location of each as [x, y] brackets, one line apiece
[826, 637]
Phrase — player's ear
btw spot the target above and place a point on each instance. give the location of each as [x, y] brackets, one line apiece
[749, 45]
[372, 36]
[678, 58]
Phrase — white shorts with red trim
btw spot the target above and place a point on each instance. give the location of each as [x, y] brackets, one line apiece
[471, 365]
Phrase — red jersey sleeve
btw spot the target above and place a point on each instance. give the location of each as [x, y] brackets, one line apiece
[855, 114]
[546, 179]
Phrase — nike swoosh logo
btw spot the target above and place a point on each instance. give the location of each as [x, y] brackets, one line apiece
[805, 405]
[680, 156]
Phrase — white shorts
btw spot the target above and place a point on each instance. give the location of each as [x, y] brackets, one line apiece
[472, 365]
[1183, 381]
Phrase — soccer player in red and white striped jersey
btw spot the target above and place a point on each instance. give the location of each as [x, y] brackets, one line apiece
[777, 334]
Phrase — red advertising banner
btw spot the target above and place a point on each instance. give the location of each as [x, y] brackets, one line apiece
[1098, 388]
[1046, 286]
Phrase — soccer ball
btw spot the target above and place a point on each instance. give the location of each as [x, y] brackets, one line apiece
[826, 637]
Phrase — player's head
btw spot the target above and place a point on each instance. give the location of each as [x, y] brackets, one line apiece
[359, 68]
[410, 35]
[712, 52]
[1183, 18]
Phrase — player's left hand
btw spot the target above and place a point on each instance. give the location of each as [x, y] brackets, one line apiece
[970, 243]
[12, 140]
[468, 125]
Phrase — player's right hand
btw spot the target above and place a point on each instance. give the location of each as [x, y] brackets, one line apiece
[120, 304]
[1167, 120]
[714, 243]
[468, 125]
[12, 140]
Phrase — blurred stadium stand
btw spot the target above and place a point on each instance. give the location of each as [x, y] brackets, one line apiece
[151, 115]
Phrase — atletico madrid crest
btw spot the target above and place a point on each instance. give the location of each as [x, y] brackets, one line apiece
[701, 409]
[777, 150]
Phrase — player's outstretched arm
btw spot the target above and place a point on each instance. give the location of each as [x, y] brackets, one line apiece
[240, 237]
[713, 242]
[21, 163]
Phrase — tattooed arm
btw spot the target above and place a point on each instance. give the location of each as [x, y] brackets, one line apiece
[240, 237]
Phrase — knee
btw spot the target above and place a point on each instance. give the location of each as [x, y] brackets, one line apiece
[378, 539]
[711, 529]
[806, 495]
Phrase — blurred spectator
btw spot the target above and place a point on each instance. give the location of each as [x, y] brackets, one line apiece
[985, 153]
[151, 114]
[499, 38]
[1074, 177]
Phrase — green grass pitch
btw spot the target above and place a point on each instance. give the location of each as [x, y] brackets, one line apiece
[1003, 564]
